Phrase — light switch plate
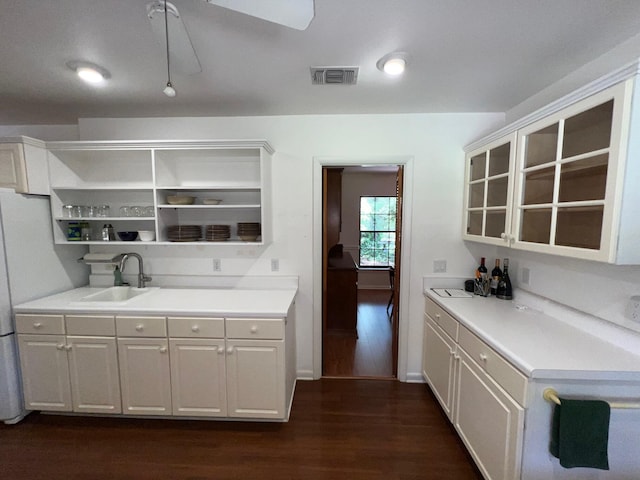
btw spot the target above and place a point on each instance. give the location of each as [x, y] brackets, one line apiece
[439, 266]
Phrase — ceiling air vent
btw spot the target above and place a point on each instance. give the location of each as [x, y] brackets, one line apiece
[334, 75]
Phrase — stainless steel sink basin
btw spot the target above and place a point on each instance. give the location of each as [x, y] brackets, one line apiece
[116, 295]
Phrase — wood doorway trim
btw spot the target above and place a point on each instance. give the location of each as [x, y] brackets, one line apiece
[398, 269]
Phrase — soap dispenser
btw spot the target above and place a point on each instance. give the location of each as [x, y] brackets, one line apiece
[117, 277]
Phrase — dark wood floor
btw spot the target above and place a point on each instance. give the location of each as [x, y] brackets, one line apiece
[339, 429]
[368, 355]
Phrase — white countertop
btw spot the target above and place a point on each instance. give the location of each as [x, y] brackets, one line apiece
[172, 301]
[539, 345]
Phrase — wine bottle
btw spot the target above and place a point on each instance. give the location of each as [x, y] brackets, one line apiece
[505, 291]
[482, 268]
[482, 279]
[496, 275]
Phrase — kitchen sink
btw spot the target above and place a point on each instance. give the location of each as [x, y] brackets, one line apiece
[117, 294]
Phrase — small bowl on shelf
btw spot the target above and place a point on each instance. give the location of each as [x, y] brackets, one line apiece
[180, 199]
[127, 236]
[146, 235]
[211, 201]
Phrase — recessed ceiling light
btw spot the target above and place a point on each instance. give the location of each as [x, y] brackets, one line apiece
[393, 63]
[89, 72]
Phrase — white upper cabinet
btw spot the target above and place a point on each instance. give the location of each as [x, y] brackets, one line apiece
[23, 165]
[489, 191]
[570, 187]
[229, 182]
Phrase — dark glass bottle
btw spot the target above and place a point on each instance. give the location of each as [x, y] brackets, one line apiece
[482, 268]
[496, 275]
[505, 291]
[481, 286]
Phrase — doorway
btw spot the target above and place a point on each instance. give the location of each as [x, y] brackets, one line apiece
[361, 232]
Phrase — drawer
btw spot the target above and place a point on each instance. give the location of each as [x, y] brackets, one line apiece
[42, 324]
[195, 327]
[141, 326]
[505, 374]
[92, 325]
[442, 318]
[267, 328]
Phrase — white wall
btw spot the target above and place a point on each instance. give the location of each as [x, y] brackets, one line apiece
[354, 185]
[625, 53]
[434, 142]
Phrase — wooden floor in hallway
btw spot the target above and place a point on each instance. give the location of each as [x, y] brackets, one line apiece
[339, 429]
[370, 354]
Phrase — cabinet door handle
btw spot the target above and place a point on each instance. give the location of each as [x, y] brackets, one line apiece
[483, 357]
[254, 329]
[220, 350]
[60, 346]
[37, 325]
[163, 349]
[504, 236]
[139, 327]
[195, 329]
[68, 347]
[230, 350]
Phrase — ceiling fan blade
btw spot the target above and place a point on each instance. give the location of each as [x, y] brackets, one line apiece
[290, 13]
[181, 53]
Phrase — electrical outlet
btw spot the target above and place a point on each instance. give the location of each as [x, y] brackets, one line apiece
[217, 267]
[526, 273]
[439, 266]
[275, 264]
[633, 308]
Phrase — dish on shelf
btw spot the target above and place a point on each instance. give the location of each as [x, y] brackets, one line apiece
[217, 233]
[127, 236]
[184, 233]
[248, 238]
[211, 201]
[249, 231]
[147, 235]
[180, 200]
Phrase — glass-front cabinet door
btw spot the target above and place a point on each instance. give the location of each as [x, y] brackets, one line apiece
[488, 192]
[567, 166]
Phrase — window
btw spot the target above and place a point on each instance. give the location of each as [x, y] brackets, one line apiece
[377, 231]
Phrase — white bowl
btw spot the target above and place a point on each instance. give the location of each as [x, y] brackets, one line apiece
[146, 235]
[211, 201]
[180, 200]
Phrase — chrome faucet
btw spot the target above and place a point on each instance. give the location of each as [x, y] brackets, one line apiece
[142, 278]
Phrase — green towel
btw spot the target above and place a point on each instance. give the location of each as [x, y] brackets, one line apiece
[580, 433]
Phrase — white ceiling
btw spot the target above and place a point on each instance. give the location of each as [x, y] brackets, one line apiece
[466, 55]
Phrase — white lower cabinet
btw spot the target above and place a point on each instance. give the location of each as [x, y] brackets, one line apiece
[158, 366]
[242, 375]
[488, 420]
[255, 378]
[61, 372]
[144, 365]
[438, 364]
[479, 391]
[93, 373]
[198, 378]
[45, 372]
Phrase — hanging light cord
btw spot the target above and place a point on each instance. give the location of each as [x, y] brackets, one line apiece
[166, 31]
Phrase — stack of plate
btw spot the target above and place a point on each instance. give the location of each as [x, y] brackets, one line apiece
[217, 233]
[184, 233]
[248, 231]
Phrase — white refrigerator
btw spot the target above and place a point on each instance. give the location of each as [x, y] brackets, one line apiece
[31, 267]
